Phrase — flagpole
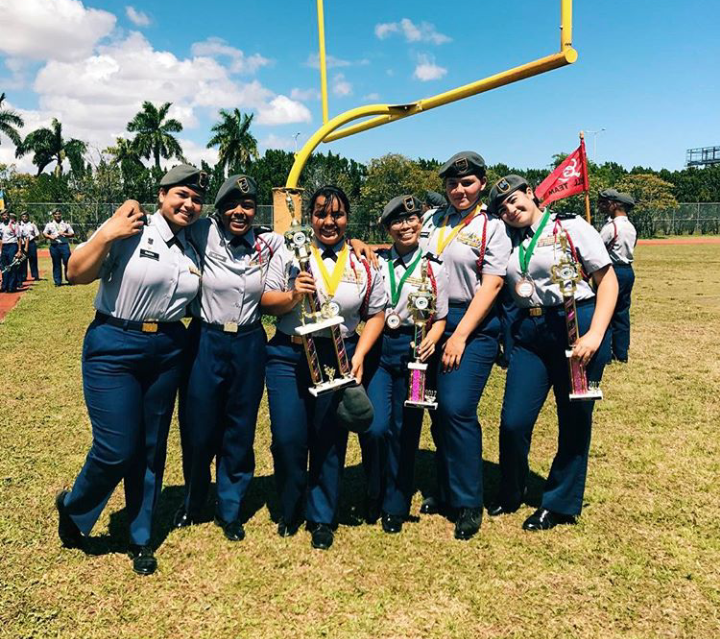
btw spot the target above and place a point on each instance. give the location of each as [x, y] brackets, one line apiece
[588, 215]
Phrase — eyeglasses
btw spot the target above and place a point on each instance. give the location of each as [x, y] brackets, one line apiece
[410, 220]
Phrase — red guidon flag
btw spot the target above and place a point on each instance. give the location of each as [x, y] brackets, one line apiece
[570, 178]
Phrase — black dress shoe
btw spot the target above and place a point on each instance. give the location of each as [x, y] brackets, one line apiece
[498, 508]
[69, 533]
[288, 529]
[468, 523]
[373, 511]
[543, 519]
[143, 558]
[233, 530]
[322, 536]
[432, 506]
[392, 523]
[182, 519]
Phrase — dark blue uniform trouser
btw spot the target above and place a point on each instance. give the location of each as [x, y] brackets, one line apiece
[31, 262]
[537, 363]
[60, 254]
[10, 278]
[220, 401]
[304, 428]
[389, 447]
[130, 379]
[621, 317]
[457, 431]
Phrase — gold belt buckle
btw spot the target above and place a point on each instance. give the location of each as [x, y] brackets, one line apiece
[296, 339]
[535, 311]
[149, 327]
[230, 327]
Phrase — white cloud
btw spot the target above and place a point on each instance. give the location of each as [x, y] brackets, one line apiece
[305, 94]
[283, 110]
[427, 70]
[273, 141]
[331, 62]
[423, 32]
[340, 86]
[371, 97]
[58, 29]
[196, 153]
[138, 18]
[239, 63]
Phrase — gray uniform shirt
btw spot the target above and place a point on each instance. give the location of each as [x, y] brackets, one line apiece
[55, 228]
[589, 247]
[29, 230]
[10, 232]
[461, 255]
[412, 283]
[234, 271]
[620, 238]
[349, 295]
[150, 276]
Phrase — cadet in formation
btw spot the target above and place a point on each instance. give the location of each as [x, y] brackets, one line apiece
[30, 234]
[59, 232]
[133, 356]
[396, 429]
[224, 386]
[474, 248]
[538, 361]
[620, 238]
[11, 251]
[305, 429]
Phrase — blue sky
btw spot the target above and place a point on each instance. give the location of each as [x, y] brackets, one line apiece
[647, 73]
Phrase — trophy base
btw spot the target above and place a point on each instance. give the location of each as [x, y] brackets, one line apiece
[328, 387]
[429, 405]
[591, 395]
[306, 329]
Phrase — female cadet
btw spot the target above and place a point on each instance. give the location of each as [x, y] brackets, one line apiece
[220, 401]
[395, 430]
[301, 425]
[132, 356]
[474, 247]
[620, 238]
[538, 360]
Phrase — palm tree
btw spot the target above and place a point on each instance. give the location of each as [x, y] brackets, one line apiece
[154, 133]
[124, 153]
[10, 122]
[48, 145]
[237, 145]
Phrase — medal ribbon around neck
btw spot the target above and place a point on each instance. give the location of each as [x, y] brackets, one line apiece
[395, 288]
[524, 255]
[442, 242]
[331, 281]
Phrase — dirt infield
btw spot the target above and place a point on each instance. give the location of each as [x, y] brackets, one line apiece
[8, 300]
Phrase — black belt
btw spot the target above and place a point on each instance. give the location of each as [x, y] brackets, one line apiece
[231, 327]
[148, 326]
[458, 304]
[402, 330]
[622, 265]
[538, 311]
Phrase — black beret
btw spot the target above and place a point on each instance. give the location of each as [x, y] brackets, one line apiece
[186, 175]
[435, 200]
[502, 189]
[625, 199]
[400, 206]
[354, 410]
[240, 186]
[462, 164]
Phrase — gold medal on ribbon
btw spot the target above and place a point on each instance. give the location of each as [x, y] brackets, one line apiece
[442, 241]
[331, 281]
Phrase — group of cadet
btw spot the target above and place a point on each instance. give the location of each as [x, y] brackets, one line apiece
[137, 353]
[19, 255]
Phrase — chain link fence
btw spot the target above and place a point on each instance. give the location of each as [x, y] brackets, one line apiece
[688, 219]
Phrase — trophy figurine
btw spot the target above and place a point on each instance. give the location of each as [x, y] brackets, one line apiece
[566, 274]
[316, 317]
[421, 304]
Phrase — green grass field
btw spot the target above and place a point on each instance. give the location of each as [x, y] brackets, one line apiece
[643, 561]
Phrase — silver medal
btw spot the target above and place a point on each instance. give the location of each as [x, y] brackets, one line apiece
[525, 288]
[393, 320]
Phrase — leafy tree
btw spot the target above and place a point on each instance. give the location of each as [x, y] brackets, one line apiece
[48, 145]
[271, 170]
[238, 147]
[10, 122]
[138, 183]
[653, 199]
[155, 133]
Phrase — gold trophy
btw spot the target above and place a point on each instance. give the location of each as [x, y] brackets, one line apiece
[317, 317]
[566, 274]
[421, 304]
